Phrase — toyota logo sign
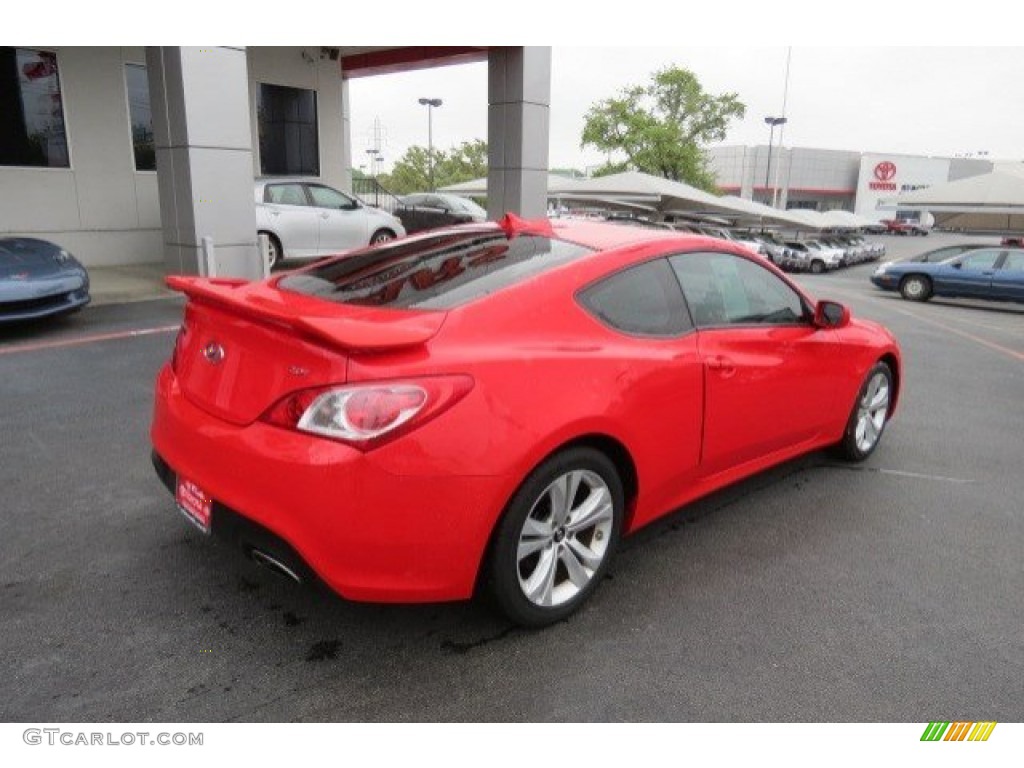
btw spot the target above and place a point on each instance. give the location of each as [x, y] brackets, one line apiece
[885, 170]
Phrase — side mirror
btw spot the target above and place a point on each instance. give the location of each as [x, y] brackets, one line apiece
[831, 314]
[957, 265]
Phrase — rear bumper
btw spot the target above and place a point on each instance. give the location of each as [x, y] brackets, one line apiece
[368, 533]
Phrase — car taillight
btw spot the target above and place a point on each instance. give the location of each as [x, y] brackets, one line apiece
[367, 415]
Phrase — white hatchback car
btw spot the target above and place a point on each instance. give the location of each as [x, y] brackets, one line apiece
[307, 219]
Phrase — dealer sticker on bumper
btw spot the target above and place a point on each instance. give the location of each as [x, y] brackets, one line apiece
[194, 504]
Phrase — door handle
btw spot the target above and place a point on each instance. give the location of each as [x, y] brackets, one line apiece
[722, 364]
[275, 213]
[325, 215]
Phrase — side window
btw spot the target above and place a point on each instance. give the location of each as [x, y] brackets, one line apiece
[1014, 261]
[724, 289]
[943, 253]
[644, 300]
[285, 194]
[980, 260]
[325, 197]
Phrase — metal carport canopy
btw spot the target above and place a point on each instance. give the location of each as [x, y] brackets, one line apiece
[993, 201]
[761, 214]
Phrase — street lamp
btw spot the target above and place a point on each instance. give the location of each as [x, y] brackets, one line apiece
[430, 104]
[772, 121]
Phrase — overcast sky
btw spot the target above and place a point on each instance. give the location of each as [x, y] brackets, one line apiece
[932, 101]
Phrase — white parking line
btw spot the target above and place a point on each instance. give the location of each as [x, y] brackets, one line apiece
[917, 316]
[36, 346]
[921, 476]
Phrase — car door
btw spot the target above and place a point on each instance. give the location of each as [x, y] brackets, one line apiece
[968, 275]
[770, 374]
[651, 338]
[291, 218]
[1008, 280]
[342, 220]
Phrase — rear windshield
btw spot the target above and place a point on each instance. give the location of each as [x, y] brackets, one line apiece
[436, 272]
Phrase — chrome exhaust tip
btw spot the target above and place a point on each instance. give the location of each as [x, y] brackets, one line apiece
[272, 563]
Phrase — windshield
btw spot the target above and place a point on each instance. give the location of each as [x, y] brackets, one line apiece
[464, 205]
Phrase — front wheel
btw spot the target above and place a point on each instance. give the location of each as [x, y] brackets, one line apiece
[558, 535]
[817, 267]
[916, 288]
[869, 415]
[382, 236]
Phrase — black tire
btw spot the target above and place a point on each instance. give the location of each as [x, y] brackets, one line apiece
[916, 288]
[275, 249]
[382, 236]
[850, 447]
[505, 570]
[817, 267]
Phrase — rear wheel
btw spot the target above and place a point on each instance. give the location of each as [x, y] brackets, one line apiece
[916, 288]
[559, 533]
[869, 415]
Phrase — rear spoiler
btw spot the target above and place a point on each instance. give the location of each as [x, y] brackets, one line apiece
[349, 328]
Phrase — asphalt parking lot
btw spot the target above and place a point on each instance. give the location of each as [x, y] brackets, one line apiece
[889, 591]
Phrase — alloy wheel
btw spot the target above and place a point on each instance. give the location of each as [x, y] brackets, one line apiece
[871, 412]
[564, 538]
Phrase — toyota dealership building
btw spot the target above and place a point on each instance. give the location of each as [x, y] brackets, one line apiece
[829, 179]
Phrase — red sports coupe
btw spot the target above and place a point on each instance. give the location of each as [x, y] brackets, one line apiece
[494, 406]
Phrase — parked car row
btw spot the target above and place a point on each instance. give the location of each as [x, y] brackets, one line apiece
[818, 255]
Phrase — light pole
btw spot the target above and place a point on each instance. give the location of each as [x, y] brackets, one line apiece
[430, 104]
[772, 121]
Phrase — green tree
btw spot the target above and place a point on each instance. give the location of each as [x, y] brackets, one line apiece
[411, 172]
[465, 162]
[661, 127]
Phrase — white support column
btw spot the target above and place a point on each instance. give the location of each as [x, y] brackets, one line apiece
[346, 138]
[518, 119]
[200, 101]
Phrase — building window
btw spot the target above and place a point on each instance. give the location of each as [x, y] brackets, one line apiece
[141, 117]
[32, 129]
[287, 129]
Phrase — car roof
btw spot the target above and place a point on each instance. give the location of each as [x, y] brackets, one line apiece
[604, 236]
[263, 180]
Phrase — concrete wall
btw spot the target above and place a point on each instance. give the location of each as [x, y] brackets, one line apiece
[288, 66]
[101, 208]
[822, 178]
